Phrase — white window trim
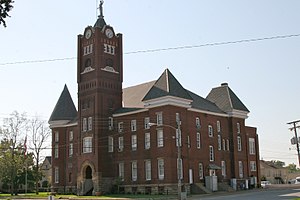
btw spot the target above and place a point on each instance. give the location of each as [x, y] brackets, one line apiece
[121, 144]
[198, 140]
[160, 137]
[239, 143]
[147, 140]
[200, 169]
[120, 127]
[161, 168]
[56, 175]
[211, 153]
[87, 146]
[159, 119]
[121, 171]
[133, 142]
[252, 146]
[134, 170]
[133, 125]
[146, 122]
[210, 131]
[148, 170]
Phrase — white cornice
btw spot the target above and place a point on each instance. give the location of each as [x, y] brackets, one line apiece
[208, 112]
[61, 123]
[168, 100]
[238, 114]
[130, 113]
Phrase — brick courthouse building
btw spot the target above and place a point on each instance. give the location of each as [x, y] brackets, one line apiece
[109, 143]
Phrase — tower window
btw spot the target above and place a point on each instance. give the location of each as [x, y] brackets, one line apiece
[88, 62]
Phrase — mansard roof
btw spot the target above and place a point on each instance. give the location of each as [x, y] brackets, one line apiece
[226, 99]
[64, 108]
[167, 85]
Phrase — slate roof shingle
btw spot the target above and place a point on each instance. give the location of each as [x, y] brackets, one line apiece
[64, 108]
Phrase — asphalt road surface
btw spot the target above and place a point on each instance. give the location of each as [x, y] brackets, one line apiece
[267, 194]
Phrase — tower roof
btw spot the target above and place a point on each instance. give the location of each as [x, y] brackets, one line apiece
[100, 23]
[167, 85]
[64, 108]
[226, 99]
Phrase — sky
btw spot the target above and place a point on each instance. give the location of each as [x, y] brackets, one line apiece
[264, 74]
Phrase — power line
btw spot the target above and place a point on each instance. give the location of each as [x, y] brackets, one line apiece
[165, 49]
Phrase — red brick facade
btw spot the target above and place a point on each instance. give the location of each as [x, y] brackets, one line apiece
[91, 156]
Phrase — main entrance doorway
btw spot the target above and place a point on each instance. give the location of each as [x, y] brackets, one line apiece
[88, 185]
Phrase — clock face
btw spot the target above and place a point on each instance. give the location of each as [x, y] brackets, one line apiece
[88, 33]
[109, 33]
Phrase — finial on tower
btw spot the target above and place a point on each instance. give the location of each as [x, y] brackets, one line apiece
[101, 8]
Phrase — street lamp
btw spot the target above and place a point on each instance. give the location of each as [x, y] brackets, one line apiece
[179, 159]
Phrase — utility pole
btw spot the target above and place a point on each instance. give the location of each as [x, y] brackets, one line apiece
[294, 123]
[180, 161]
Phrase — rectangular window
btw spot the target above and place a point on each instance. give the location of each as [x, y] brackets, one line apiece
[179, 169]
[133, 142]
[147, 122]
[161, 169]
[147, 140]
[178, 138]
[241, 170]
[134, 170]
[110, 123]
[239, 143]
[90, 123]
[120, 127]
[70, 149]
[219, 126]
[210, 131]
[198, 122]
[198, 140]
[228, 147]
[133, 125]
[224, 145]
[223, 167]
[56, 151]
[121, 144]
[71, 136]
[56, 135]
[211, 153]
[251, 146]
[84, 124]
[159, 119]
[238, 128]
[110, 144]
[219, 142]
[56, 175]
[177, 118]
[252, 166]
[87, 145]
[121, 171]
[148, 170]
[160, 138]
[200, 171]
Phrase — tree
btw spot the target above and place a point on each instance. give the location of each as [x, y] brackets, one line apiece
[39, 132]
[5, 7]
[292, 168]
[14, 127]
[277, 163]
[16, 165]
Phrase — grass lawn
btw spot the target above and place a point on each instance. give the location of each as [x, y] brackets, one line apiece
[44, 195]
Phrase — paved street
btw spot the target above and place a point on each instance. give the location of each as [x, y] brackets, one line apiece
[267, 194]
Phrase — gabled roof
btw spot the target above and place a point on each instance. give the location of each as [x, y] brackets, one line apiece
[204, 104]
[226, 99]
[133, 96]
[167, 85]
[64, 108]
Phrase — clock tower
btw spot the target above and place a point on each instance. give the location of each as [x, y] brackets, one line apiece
[99, 78]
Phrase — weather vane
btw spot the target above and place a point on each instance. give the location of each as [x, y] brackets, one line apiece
[101, 8]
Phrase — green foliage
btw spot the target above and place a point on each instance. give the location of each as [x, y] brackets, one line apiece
[293, 168]
[277, 163]
[13, 161]
[5, 7]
